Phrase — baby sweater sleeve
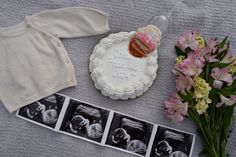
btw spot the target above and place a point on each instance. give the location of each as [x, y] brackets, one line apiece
[72, 22]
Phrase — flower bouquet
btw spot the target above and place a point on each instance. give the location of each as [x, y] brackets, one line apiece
[205, 73]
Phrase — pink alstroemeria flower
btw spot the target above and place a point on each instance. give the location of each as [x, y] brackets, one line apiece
[188, 39]
[175, 108]
[221, 75]
[226, 101]
[208, 55]
[209, 50]
[211, 58]
[184, 83]
[228, 58]
[192, 65]
[211, 45]
[217, 84]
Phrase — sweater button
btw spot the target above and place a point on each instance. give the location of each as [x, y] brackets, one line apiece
[28, 26]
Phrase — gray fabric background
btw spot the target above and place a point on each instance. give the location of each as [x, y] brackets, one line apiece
[214, 18]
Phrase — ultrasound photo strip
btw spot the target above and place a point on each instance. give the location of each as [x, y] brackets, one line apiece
[106, 127]
[73, 114]
[85, 121]
[46, 112]
[129, 134]
[170, 142]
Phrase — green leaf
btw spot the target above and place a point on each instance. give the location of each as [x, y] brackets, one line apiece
[222, 54]
[213, 96]
[234, 75]
[203, 152]
[229, 90]
[221, 45]
[207, 71]
[211, 80]
[227, 118]
[179, 52]
[202, 74]
[228, 44]
[220, 65]
[188, 49]
[217, 51]
[185, 97]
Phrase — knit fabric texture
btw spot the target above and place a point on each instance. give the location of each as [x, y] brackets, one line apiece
[215, 18]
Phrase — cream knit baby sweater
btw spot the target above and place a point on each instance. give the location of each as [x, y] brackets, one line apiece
[33, 62]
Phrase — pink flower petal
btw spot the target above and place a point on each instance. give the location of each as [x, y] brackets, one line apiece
[228, 58]
[175, 117]
[175, 109]
[188, 39]
[233, 97]
[192, 65]
[219, 104]
[183, 108]
[217, 84]
[211, 44]
[227, 101]
[184, 83]
[222, 74]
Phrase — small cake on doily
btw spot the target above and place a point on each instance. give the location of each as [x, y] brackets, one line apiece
[123, 65]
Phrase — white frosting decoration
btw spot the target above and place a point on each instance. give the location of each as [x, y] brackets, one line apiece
[116, 72]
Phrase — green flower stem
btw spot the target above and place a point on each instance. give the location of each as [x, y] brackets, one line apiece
[213, 135]
[211, 147]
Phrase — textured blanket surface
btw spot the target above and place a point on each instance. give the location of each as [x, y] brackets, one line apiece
[216, 18]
